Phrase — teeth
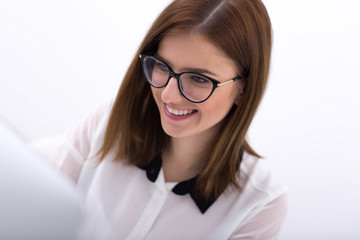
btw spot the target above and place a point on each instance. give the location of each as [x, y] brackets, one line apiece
[178, 112]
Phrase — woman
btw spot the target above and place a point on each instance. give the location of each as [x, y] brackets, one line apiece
[168, 159]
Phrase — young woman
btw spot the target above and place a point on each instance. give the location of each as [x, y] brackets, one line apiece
[168, 158]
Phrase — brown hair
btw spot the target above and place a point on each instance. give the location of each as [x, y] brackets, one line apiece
[242, 29]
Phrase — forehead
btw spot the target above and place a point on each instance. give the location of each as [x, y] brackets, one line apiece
[192, 50]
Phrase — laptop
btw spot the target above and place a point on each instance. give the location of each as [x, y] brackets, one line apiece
[35, 201]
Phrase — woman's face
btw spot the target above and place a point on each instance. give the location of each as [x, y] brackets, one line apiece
[181, 118]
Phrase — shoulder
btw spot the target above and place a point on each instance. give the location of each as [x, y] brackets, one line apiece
[100, 112]
[257, 180]
[95, 121]
[264, 198]
[86, 137]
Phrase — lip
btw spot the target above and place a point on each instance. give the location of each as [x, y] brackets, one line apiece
[177, 117]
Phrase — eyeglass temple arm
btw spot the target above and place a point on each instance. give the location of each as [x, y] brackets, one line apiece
[230, 81]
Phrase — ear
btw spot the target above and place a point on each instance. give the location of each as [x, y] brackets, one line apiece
[241, 89]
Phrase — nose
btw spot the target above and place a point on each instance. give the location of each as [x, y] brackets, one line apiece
[171, 92]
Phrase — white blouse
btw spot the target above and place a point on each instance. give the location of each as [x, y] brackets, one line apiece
[126, 202]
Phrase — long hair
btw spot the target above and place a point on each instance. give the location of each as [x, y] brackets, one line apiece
[240, 28]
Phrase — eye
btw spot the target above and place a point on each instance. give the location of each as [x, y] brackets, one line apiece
[197, 79]
[159, 66]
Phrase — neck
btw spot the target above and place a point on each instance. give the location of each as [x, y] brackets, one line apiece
[184, 157]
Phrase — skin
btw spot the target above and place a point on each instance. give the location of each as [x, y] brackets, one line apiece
[191, 133]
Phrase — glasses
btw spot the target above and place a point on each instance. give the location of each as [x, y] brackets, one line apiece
[195, 87]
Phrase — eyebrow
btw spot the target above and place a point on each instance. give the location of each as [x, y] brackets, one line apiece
[197, 70]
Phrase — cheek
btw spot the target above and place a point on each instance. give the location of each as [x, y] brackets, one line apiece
[217, 109]
[218, 105]
[227, 97]
[156, 94]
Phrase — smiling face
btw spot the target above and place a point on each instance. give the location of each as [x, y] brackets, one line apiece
[181, 118]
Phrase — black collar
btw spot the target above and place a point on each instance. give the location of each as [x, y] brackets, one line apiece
[182, 188]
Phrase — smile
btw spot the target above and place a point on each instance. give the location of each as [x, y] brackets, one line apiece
[179, 112]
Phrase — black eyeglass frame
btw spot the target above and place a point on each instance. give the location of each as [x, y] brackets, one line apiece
[215, 82]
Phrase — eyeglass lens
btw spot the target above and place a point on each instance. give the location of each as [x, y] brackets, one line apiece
[194, 86]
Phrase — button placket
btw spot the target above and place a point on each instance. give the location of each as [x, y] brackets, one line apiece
[151, 212]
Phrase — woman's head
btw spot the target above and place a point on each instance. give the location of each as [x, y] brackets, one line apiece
[241, 30]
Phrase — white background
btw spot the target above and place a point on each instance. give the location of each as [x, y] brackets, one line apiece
[60, 59]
